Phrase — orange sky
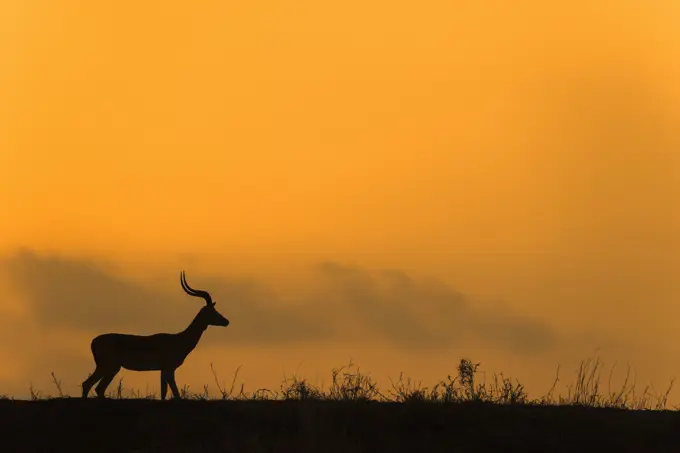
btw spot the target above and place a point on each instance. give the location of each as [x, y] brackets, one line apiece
[522, 153]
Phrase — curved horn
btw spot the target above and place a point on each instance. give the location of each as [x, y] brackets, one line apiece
[185, 286]
[195, 292]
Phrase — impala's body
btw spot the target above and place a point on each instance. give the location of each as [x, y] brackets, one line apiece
[164, 352]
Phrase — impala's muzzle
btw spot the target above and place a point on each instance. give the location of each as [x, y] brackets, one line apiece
[223, 322]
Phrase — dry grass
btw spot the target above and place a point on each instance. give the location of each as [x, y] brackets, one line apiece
[350, 383]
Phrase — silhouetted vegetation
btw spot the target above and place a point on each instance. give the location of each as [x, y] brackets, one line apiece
[458, 413]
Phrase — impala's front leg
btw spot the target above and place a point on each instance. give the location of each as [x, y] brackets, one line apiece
[173, 385]
[164, 386]
[168, 378]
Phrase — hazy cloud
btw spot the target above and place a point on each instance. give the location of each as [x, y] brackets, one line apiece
[343, 302]
[80, 294]
[427, 314]
[77, 293]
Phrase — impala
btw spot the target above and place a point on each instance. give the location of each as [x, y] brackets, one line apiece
[163, 352]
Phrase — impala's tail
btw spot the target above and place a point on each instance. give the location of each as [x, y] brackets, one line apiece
[101, 347]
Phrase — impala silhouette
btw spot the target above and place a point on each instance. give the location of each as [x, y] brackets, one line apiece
[164, 352]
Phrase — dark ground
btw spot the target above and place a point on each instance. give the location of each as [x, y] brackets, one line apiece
[327, 426]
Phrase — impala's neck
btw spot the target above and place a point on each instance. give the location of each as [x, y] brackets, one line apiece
[194, 331]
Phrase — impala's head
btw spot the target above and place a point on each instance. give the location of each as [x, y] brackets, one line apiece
[208, 315]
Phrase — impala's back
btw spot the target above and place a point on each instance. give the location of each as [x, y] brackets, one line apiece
[138, 353]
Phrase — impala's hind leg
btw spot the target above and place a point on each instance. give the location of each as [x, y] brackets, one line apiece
[108, 375]
[90, 381]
